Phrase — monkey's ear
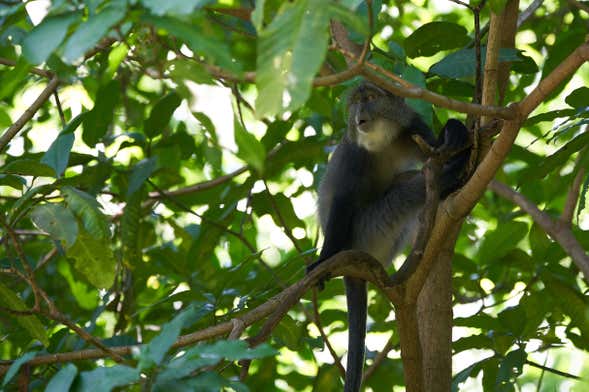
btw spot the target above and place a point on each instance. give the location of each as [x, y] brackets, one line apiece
[454, 135]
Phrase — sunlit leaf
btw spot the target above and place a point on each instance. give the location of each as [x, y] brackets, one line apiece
[94, 259]
[56, 220]
[290, 51]
[47, 36]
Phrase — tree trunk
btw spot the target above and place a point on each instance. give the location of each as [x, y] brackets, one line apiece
[434, 315]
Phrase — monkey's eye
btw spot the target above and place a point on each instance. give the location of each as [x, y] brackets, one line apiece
[371, 97]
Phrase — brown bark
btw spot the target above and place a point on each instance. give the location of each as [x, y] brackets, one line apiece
[434, 315]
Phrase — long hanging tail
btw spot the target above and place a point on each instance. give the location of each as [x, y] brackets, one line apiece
[357, 304]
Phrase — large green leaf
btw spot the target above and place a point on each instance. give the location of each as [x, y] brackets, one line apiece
[56, 220]
[47, 36]
[58, 154]
[31, 323]
[90, 32]
[28, 167]
[462, 64]
[434, 37]
[94, 259]
[104, 379]
[62, 380]
[290, 51]
[249, 148]
[87, 209]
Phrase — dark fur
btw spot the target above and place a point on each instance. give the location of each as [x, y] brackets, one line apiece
[371, 196]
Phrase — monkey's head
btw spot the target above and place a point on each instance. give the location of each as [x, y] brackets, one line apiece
[376, 117]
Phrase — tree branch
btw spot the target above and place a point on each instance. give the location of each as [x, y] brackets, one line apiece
[13, 130]
[561, 234]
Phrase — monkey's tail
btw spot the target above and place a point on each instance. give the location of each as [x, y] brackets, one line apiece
[357, 306]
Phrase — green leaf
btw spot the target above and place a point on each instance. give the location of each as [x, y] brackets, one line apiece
[578, 98]
[5, 120]
[13, 369]
[234, 350]
[30, 323]
[154, 351]
[94, 259]
[249, 148]
[500, 241]
[74, 123]
[90, 32]
[140, 174]
[62, 380]
[58, 154]
[47, 36]
[434, 37]
[161, 114]
[56, 220]
[97, 121]
[16, 182]
[28, 167]
[291, 50]
[174, 7]
[182, 70]
[115, 58]
[104, 379]
[84, 294]
[462, 64]
[87, 209]
[263, 203]
[12, 78]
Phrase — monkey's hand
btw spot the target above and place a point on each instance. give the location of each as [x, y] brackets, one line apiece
[454, 137]
[455, 144]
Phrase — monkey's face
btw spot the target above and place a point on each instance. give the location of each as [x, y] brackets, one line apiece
[369, 118]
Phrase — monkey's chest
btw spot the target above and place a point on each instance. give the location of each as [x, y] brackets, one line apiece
[387, 167]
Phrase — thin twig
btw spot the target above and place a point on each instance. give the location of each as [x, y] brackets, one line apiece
[13, 130]
[561, 234]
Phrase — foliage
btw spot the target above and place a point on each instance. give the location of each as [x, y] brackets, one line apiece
[126, 201]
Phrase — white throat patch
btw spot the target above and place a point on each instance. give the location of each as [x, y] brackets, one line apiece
[379, 137]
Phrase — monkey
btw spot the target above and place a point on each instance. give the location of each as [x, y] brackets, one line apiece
[371, 194]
